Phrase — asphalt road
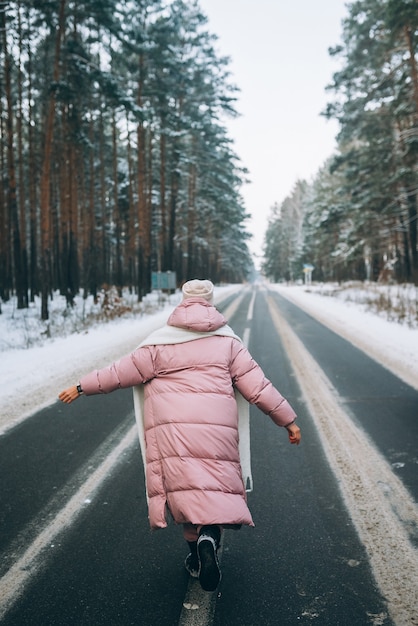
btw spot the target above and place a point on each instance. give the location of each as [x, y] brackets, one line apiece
[303, 563]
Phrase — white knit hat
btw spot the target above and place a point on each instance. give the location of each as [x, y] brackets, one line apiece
[198, 289]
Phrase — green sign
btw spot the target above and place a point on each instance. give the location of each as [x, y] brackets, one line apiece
[163, 280]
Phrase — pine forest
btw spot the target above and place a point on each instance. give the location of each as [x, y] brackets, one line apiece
[357, 220]
[114, 155]
[116, 161]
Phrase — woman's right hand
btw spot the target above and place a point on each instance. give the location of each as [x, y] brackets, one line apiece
[69, 395]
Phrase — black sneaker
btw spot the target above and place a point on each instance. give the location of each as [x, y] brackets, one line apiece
[209, 572]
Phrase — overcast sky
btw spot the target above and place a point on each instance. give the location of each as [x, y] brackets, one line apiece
[280, 62]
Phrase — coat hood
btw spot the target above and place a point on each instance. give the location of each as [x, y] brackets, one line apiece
[198, 315]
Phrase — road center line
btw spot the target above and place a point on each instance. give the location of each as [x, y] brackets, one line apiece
[380, 506]
[251, 308]
[198, 605]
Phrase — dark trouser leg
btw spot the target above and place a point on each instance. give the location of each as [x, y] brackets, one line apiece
[191, 562]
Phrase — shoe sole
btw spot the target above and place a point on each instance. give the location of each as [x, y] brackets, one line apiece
[209, 572]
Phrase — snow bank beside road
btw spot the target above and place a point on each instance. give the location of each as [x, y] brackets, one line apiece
[391, 344]
[31, 378]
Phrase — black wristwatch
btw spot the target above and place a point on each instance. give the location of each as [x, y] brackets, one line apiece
[79, 389]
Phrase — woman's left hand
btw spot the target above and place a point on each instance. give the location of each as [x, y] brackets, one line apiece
[294, 433]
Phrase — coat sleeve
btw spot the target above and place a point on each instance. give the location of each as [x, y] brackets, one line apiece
[134, 369]
[248, 377]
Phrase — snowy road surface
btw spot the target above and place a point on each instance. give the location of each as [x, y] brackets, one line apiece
[381, 509]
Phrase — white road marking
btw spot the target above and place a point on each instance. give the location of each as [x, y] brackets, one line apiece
[198, 605]
[233, 307]
[246, 337]
[251, 308]
[380, 506]
[13, 583]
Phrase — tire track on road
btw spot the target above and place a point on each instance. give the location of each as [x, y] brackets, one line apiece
[381, 508]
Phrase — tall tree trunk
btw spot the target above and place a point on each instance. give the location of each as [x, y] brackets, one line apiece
[91, 252]
[409, 36]
[5, 252]
[163, 216]
[61, 148]
[22, 185]
[105, 254]
[45, 182]
[11, 199]
[174, 189]
[413, 197]
[144, 157]
[130, 229]
[71, 269]
[412, 235]
[32, 175]
[144, 221]
[191, 221]
[118, 272]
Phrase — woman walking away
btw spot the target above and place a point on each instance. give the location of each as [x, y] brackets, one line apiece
[189, 378]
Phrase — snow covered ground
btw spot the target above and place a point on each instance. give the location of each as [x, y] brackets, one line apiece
[376, 330]
[34, 368]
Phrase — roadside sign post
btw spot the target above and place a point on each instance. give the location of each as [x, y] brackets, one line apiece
[307, 270]
[163, 281]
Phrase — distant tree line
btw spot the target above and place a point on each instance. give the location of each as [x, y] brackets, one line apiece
[115, 161]
[358, 218]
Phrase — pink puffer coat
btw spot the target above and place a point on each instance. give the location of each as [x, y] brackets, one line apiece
[191, 420]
